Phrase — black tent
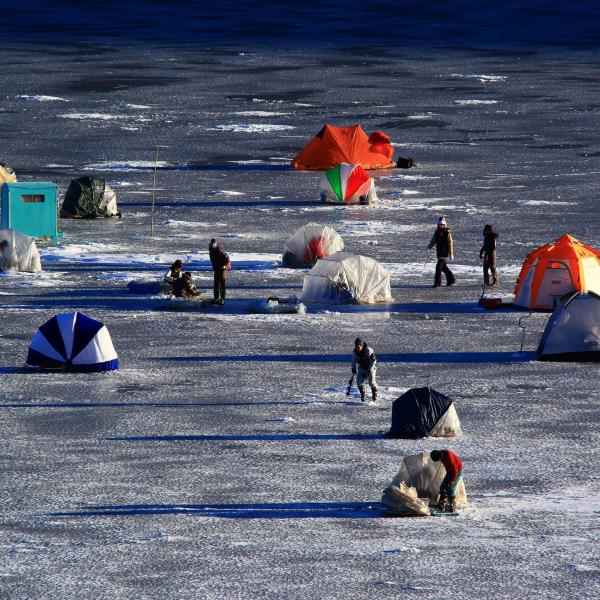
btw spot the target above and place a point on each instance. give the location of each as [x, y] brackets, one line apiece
[417, 412]
[88, 197]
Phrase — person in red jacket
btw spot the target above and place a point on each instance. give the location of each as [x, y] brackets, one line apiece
[220, 264]
[453, 466]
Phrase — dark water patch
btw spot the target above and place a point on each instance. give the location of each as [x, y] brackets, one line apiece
[131, 66]
[514, 138]
[415, 124]
[497, 52]
[112, 83]
[559, 146]
[397, 73]
[475, 89]
[580, 78]
[287, 96]
[589, 154]
[336, 62]
[261, 70]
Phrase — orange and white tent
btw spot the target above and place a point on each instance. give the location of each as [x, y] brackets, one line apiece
[333, 146]
[555, 269]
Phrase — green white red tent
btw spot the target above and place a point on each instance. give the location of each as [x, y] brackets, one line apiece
[347, 184]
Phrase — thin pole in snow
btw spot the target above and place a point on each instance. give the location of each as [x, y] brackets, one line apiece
[153, 192]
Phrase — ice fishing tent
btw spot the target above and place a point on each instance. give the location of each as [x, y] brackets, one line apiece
[88, 197]
[18, 252]
[573, 331]
[555, 269]
[74, 342]
[347, 184]
[7, 175]
[309, 244]
[333, 146]
[345, 277]
[423, 412]
[417, 485]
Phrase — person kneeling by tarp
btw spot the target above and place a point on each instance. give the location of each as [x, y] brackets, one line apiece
[416, 486]
[180, 284]
[453, 465]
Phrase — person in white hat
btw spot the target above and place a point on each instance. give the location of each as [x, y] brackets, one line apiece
[442, 240]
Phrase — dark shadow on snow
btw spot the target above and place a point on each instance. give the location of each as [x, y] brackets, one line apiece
[193, 405]
[267, 437]
[414, 357]
[265, 510]
[221, 203]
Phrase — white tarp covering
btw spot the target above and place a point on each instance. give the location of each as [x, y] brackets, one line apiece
[309, 244]
[7, 175]
[448, 425]
[18, 252]
[425, 476]
[345, 277]
[573, 331]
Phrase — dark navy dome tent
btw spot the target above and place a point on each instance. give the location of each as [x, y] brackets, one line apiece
[423, 412]
[74, 342]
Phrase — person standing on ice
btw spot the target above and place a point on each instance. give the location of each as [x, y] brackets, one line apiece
[488, 253]
[220, 264]
[453, 466]
[364, 366]
[442, 240]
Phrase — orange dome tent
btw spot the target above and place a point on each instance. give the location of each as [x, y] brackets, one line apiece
[333, 146]
[563, 266]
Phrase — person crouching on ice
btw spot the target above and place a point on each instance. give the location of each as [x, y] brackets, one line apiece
[364, 366]
[453, 466]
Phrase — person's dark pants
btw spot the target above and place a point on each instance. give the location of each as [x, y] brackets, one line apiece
[219, 286]
[448, 488]
[442, 267]
[489, 265]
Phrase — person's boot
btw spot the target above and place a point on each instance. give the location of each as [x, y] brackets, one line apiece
[375, 393]
[486, 280]
[451, 506]
[363, 396]
[441, 505]
[495, 280]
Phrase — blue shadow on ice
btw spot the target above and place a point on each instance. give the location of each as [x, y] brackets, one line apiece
[183, 405]
[266, 510]
[266, 437]
[405, 357]
[221, 203]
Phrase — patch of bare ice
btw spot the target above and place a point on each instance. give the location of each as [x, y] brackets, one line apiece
[253, 127]
[42, 98]
[474, 102]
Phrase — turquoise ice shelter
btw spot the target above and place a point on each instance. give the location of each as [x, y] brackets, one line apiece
[30, 208]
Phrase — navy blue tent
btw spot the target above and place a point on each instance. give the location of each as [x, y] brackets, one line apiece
[422, 412]
[75, 342]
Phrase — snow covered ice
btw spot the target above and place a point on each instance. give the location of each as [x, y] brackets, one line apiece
[223, 459]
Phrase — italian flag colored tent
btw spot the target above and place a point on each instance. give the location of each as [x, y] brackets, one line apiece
[347, 184]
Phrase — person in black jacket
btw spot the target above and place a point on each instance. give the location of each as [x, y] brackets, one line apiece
[442, 240]
[220, 264]
[488, 253]
[364, 366]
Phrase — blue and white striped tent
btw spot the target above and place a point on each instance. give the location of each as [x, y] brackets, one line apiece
[74, 342]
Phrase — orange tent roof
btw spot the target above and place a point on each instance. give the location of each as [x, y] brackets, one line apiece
[333, 146]
[565, 250]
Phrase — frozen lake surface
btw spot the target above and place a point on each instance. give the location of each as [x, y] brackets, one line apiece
[223, 460]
